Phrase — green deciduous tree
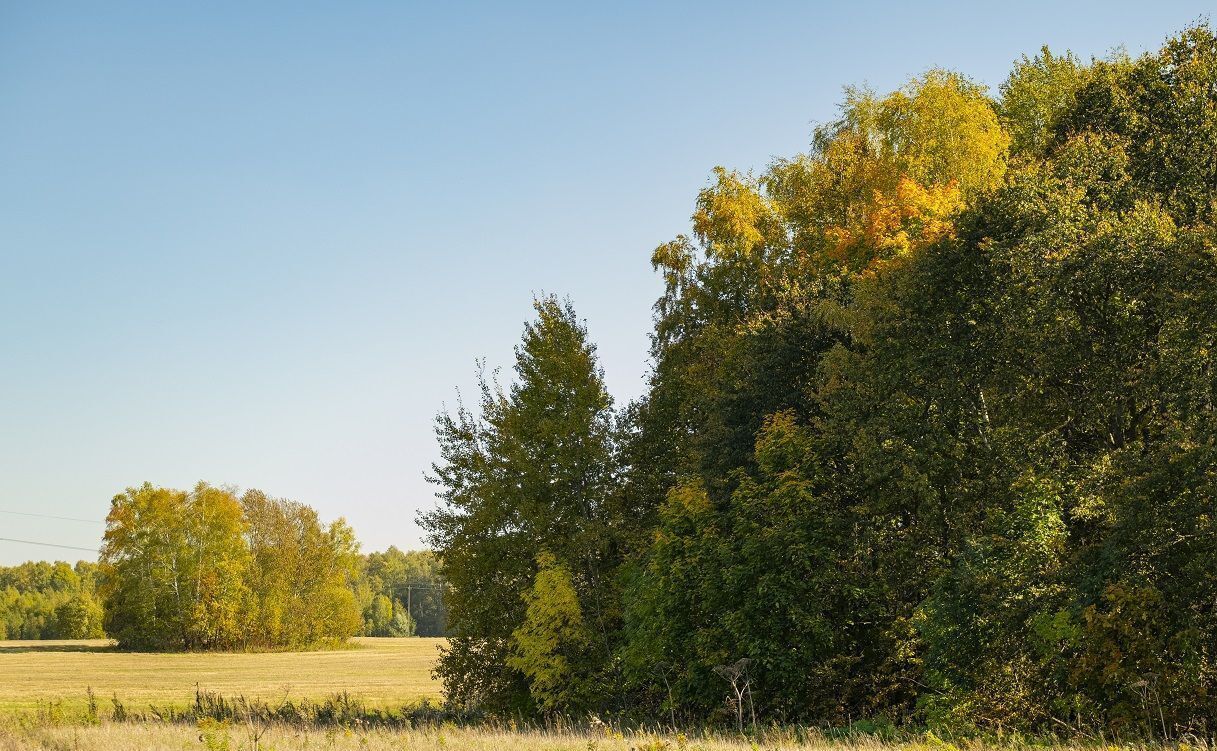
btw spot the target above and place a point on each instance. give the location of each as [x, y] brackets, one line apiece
[531, 472]
[1038, 92]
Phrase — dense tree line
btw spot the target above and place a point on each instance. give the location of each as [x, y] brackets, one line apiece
[41, 600]
[525, 530]
[929, 435]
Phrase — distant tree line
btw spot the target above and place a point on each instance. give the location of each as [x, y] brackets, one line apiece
[929, 433]
[402, 594]
[41, 600]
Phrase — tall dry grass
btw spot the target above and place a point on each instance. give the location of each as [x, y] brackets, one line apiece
[211, 736]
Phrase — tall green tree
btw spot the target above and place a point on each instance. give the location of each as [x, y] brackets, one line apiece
[530, 472]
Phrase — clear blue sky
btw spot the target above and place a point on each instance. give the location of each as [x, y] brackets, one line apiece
[262, 244]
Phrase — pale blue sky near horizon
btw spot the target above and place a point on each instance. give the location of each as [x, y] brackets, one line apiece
[263, 244]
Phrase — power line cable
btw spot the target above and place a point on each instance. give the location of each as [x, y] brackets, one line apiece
[50, 516]
[50, 544]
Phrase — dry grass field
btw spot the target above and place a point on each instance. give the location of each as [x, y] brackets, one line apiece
[379, 672]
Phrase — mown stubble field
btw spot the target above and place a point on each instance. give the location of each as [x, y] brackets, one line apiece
[378, 672]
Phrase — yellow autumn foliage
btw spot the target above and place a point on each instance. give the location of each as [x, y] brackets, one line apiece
[893, 172]
[731, 215]
[909, 217]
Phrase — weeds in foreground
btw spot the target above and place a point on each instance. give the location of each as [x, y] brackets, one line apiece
[214, 722]
[213, 735]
